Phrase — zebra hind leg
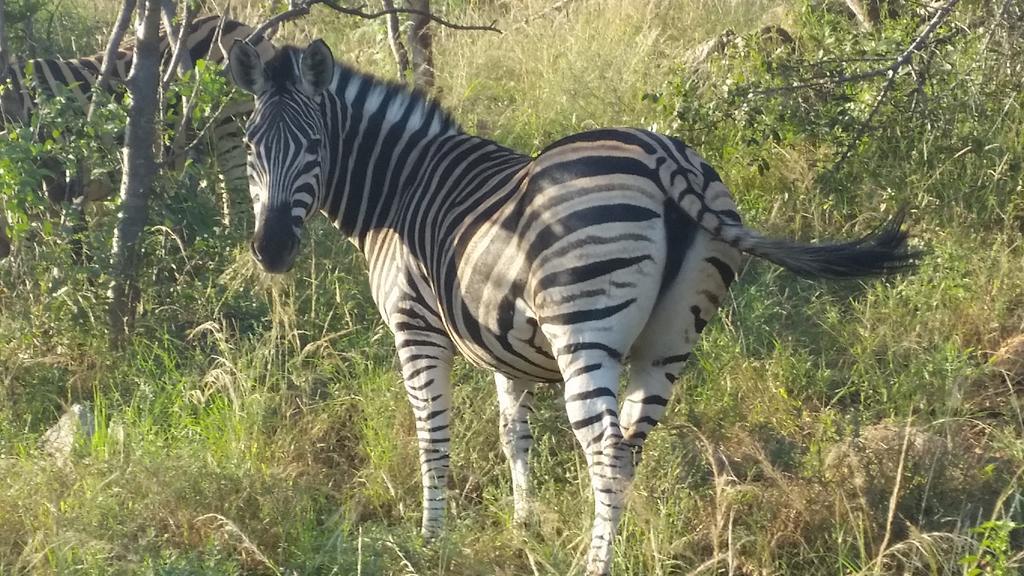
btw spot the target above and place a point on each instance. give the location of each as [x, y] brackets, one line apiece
[673, 329]
[651, 380]
[591, 387]
[515, 404]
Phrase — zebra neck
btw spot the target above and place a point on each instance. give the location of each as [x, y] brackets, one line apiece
[379, 137]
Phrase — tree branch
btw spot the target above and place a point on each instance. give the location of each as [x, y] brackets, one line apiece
[890, 81]
[178, 146]
[889, 71]
[110, 54]
[394, 40]
[179, 47]
[302, 7]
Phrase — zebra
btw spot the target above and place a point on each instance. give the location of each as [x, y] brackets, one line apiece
[611, 248]
[208, 38]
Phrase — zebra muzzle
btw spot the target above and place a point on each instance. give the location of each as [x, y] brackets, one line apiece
[275, 244]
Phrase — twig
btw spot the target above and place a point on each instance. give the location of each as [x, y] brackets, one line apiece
[303, 7]
[890, 81]
[395, 40]
[206, 127]
[866, 123]
[894, 497]
[110, 54]
[190, 107]
[179, 47]
[287, 16]
[889, 71]
[446, 23]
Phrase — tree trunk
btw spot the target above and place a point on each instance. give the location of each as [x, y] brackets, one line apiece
[395, 40]
[421, 45]
[5, 241]
[3, 40]
[140, 170]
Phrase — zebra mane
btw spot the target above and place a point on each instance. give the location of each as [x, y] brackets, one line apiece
[282, 71]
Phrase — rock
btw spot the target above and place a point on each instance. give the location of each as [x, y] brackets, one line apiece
[999, 390]
[698, 56]
[59, 440]
[770, 37]
[1008, 361]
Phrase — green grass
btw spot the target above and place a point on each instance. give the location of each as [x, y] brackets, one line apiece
[259, 426]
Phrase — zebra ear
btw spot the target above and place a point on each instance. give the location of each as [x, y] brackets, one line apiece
[317, 66]
[246, 67]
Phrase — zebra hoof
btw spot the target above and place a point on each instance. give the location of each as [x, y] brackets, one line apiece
[430, 535]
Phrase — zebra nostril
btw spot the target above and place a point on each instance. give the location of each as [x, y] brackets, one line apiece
[255, 252]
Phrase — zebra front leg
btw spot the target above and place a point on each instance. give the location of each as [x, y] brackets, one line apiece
[515, 403]
[426, 369]
[591, 388]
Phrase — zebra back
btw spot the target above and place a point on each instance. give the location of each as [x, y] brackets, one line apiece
[209, 38]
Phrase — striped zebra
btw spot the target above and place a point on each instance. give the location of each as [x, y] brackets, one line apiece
[208, 39]
[611, 248]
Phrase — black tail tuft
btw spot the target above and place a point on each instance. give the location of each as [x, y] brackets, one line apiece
[882, 252]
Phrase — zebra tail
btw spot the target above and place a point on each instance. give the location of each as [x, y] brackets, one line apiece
[882, 252]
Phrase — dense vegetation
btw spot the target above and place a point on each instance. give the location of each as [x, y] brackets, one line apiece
[258, 425]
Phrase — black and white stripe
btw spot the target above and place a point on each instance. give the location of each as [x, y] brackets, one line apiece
[612, 248]
[208, 38]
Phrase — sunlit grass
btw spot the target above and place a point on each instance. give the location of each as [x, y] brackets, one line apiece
[259, 426]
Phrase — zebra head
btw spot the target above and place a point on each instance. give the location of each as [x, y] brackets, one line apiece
[287, 144]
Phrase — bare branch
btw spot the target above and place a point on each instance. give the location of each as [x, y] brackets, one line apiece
[178, 146]
[890, 81]
[179, 47]
[866, 123]
[889, 71]
[110, 54]
[214, 118]
[394, 40]
[267, 29]
[433, 17]
[302, 8]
